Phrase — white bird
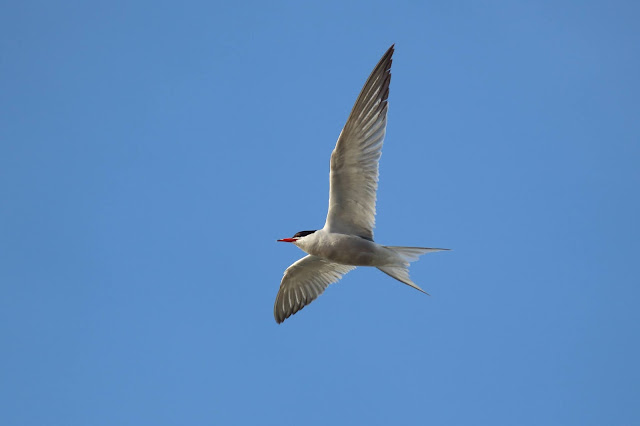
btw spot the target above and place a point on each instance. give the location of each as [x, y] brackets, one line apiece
[346, 241]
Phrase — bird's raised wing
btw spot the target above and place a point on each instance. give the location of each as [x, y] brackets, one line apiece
[303, 281]
[354, 161]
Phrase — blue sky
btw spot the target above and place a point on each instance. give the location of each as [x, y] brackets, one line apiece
[152, 152]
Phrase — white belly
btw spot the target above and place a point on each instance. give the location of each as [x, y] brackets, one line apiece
[348, 250]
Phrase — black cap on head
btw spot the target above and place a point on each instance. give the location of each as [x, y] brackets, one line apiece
[303, 234]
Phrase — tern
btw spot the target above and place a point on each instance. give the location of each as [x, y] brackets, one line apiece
[346, 240]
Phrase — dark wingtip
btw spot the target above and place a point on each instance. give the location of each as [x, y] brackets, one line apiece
[280, 319]
[389, 51]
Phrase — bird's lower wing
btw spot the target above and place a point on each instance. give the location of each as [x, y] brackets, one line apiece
[303, 281]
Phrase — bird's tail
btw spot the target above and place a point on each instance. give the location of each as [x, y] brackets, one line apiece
[408, 254]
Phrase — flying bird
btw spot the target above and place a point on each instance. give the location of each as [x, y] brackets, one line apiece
[346, 240]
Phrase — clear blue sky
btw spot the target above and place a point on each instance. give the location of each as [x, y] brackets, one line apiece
[152, 152]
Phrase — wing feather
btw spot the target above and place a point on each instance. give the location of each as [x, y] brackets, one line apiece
[354, 161]
[303, 282]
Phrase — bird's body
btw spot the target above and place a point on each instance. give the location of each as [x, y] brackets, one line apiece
[346, 240]
[347, 249]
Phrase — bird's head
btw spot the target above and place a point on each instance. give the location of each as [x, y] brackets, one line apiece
[297, 236]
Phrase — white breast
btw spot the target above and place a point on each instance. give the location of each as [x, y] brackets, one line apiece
[346, 249]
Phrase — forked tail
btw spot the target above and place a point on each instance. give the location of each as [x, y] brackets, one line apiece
[401, 271]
